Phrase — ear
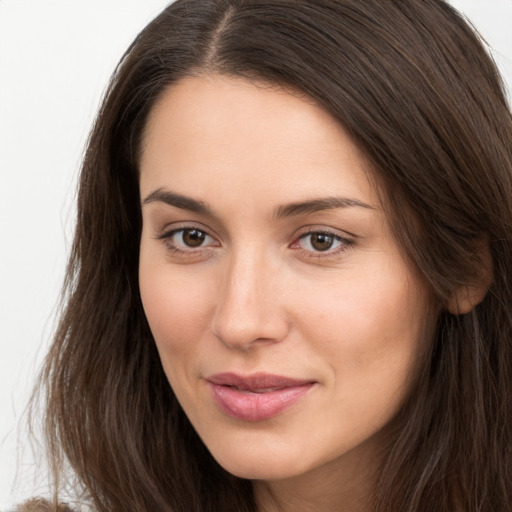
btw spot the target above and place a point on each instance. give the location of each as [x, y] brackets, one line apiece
[468, 296]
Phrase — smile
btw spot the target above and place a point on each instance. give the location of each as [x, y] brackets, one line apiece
[256, 397]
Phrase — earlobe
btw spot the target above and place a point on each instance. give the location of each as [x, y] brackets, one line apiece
[469, 296]
[466, 298]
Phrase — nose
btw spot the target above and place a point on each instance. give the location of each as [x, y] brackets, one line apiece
[249, 311]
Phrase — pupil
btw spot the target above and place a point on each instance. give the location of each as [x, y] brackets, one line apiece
[321, 242]
[193, 237]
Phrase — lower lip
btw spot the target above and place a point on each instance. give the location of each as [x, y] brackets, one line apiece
[249, 406]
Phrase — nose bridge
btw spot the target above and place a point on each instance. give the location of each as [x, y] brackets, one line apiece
[248, 309]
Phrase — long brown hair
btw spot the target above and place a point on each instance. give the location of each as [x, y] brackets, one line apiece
[414, 87]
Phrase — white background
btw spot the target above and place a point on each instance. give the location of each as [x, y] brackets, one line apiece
[55, 60]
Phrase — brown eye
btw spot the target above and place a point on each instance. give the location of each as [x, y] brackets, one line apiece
[188, 241]
[193, 237]
[321, 241]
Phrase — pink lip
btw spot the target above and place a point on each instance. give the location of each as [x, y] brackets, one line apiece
[256, 397]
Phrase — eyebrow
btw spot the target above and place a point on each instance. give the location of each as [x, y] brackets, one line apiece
[179, 201]
[288, 210]
[318, 205]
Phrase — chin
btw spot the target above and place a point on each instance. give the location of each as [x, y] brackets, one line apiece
[261, 466]
[259, 471]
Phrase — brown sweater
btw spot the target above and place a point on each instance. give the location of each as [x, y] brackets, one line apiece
[40, 505]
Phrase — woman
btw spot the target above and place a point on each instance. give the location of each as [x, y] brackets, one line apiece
[289, 287]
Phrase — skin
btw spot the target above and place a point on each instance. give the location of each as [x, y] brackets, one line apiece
[256, 295]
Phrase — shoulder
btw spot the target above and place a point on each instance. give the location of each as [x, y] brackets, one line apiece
[41, 505]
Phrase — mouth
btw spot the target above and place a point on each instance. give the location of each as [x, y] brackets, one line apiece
[256, 397]
[258, 390]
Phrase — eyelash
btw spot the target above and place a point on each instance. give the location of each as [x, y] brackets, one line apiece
[343, 242]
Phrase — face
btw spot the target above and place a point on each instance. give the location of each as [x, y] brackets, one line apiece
[287, 321]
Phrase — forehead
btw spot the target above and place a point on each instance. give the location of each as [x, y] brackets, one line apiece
[210, 131]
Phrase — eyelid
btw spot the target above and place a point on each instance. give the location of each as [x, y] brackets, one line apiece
[168, 229]
[322, 228]
[326, 230]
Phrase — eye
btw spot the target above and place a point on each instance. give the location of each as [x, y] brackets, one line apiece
[188, 239]
[321, 243]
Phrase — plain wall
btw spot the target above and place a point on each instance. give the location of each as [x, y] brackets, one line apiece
[55, 60]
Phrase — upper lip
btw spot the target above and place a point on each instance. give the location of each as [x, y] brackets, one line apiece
[256, 381]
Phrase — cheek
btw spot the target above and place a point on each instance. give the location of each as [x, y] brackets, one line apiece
[176, 308]
[370, 328]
